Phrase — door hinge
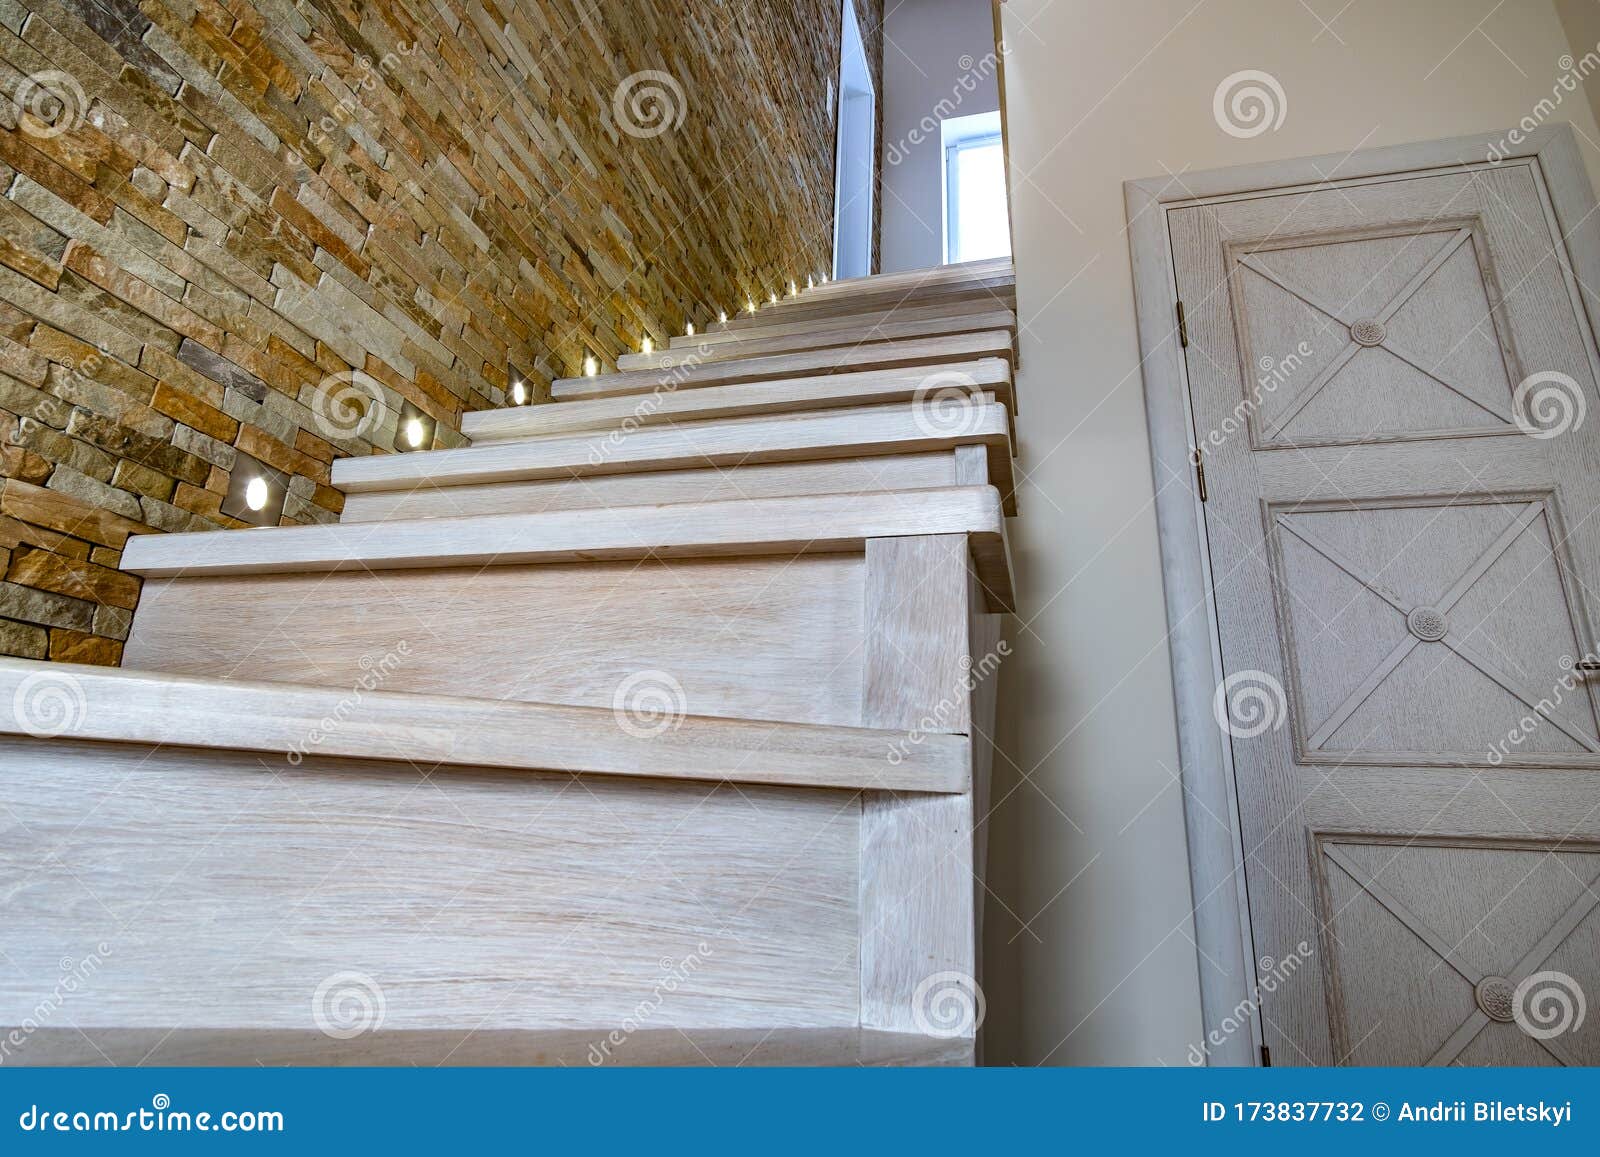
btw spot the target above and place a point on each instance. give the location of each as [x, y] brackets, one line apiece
[1266, 1057]
[1200, 473]
[1183, 328]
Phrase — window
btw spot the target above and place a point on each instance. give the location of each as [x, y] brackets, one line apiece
[977, 220]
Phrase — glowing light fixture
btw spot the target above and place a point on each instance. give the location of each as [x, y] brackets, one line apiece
[793, 289]
[519, 393]
[415, 431]
[772, 300]
[722, 316]
[590, 366]
[647, 346]
[811, 283]
[256, 492]
[689, 329]
[751, 305]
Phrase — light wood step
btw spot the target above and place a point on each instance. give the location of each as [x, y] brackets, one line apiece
[931, 352]
[793, 526]
[125, 706]
[933, 277]
[949, 310]
[729, 443]
[999, 292]
[784, 395]
[894, 329]
[594, 1046]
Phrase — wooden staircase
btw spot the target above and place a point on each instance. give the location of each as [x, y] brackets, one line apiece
[649, 728]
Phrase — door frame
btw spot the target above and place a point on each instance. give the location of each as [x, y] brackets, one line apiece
[1223, 947]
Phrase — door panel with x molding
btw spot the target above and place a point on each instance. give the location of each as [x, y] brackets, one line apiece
[1391, 383]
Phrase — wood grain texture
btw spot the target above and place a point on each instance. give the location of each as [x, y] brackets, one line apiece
[710, 484]
[281, 719]
[751, 343]
[774, 638]
[917, 918]
[818, 524]
[689, 374]
[732, 1048]
[225, 893]
[792, 395]
[733, 442]
[821, 327]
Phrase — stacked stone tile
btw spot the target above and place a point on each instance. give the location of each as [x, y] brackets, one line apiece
[211, 209]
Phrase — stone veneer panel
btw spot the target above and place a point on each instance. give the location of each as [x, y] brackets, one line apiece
[223, 219]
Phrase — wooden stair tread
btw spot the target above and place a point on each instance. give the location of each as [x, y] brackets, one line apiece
[123, 706]
[809, 524]
[783, 395]
[481, 1046]
[761, 343]
[997, 291]
[885, 355]
[902, 430]
[855, 319]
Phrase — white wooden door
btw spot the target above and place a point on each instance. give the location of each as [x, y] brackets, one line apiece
[1394, 390]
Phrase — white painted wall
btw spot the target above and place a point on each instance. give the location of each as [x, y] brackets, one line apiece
[1088, 955]
[937, 62]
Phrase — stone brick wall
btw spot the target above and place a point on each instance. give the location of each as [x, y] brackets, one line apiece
[263, 228]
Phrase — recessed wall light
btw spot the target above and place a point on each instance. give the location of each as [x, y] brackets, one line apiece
[416, 430]
[773, 299]
[722, 316]
[519, 393]
[793, 289]
[590, 367]
[647, 346]
[256, 492]
[689, 329]
[811, 283]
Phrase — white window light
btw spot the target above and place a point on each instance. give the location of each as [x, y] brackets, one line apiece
[977, 219]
